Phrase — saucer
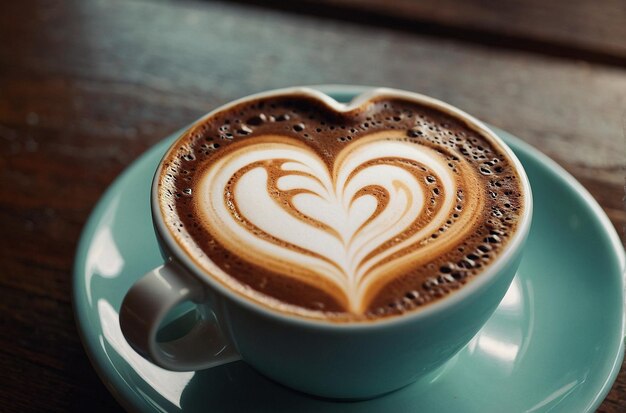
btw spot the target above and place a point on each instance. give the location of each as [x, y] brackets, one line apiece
[554, 344]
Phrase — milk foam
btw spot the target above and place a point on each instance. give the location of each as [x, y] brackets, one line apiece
[319, 220]
[340, 212]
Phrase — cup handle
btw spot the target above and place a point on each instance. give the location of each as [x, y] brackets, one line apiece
[148, 302]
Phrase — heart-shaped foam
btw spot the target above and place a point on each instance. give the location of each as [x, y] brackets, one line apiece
[348, 226]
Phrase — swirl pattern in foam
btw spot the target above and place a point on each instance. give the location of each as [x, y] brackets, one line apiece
[344, 215]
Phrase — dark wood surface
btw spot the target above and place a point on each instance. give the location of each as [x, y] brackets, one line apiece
[86, 87]
[593, 30]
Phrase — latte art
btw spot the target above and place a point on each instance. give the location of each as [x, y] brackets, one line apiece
[341, 215]
[274, 200]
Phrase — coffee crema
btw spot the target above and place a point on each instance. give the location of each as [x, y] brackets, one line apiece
[341, 214]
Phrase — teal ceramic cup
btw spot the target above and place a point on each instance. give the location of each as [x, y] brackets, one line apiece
[337, 360]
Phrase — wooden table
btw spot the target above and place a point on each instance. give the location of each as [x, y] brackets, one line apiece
[87, 86]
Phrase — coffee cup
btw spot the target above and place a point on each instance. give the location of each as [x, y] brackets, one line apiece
[343, 250]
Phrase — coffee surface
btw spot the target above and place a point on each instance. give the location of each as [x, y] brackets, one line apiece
[341, 215]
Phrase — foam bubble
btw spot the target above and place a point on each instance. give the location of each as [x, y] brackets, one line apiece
[257, 120]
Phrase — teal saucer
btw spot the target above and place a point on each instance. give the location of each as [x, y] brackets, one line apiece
[554, 344]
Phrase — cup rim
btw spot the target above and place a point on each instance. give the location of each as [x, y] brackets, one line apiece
[359, 95]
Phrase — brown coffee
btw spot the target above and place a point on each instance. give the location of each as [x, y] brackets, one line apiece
[344, 215]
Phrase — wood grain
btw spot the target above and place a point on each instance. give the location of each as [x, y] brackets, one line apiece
[86, 87]
[578, 29]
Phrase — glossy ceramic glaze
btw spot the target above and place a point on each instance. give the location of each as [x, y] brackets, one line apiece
[553, 344]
